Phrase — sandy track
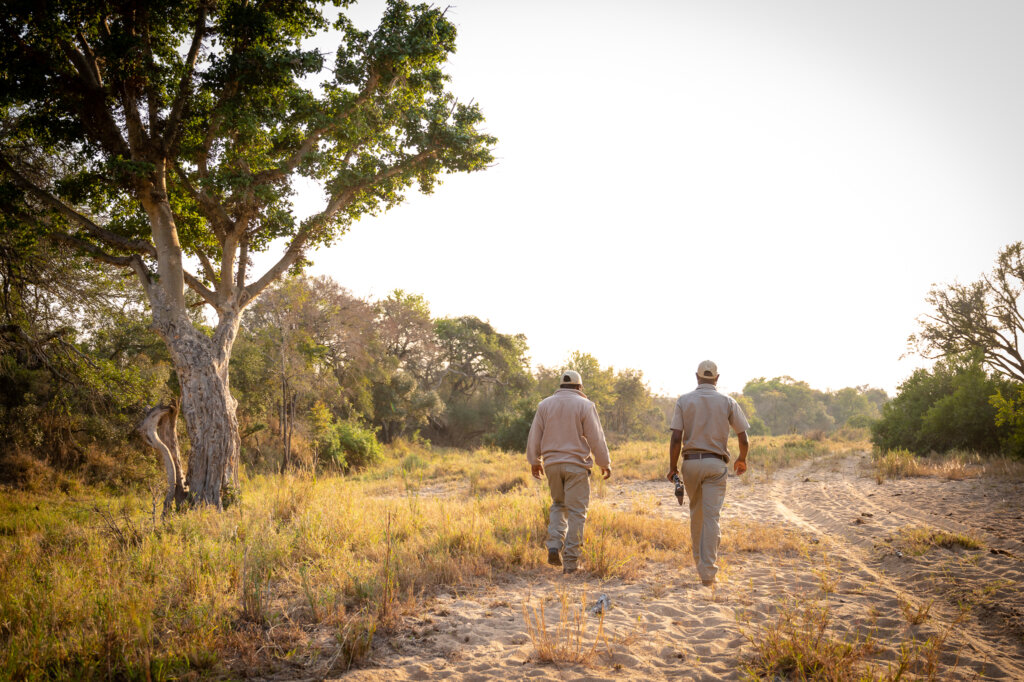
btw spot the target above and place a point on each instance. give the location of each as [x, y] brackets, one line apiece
[664, 625]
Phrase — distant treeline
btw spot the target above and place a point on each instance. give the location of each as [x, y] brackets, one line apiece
[320, 376]
[784, 405]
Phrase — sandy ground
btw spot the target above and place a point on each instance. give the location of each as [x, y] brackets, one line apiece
[665, 625]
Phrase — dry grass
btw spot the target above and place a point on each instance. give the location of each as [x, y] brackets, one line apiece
[955, 465]
[648, 461]
[567, 640]
[769, 454]
[915, 614]
[122, 594]
[308, 570]
[803, 643]
[744, 536]
[918, 540]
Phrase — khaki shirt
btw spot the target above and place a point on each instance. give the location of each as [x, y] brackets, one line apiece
[704, 416]
[566, 429]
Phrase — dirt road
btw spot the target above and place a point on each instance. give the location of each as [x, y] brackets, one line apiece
[873, 563]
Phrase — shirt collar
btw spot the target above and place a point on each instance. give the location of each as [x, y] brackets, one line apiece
[571, 390]
[705, 387]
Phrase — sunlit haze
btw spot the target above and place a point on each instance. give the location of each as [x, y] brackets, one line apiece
[774, 186]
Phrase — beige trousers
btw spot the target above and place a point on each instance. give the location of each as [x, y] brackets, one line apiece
[570, 496]
[704, 480]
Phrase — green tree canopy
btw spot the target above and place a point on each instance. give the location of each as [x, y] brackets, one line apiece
[945, 408]
[983, 315]
[163, 135]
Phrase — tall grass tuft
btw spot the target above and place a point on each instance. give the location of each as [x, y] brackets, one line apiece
[567, 641]
[955, 465]
[917, 540]
[800, 644]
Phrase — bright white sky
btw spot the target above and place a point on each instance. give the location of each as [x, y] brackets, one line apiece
[772, 185]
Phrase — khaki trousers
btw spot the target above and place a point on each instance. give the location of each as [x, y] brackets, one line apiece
[704, 480]
[570, 492]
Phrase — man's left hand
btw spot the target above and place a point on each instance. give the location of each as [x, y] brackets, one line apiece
[537, 470]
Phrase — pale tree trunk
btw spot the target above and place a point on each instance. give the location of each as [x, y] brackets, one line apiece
[207, 406]
[159, 430]
[201, 361]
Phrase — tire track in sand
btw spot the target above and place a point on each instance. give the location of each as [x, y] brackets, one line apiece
[1008, 668]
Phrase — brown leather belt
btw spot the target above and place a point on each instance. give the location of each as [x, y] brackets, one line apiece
[703, 455]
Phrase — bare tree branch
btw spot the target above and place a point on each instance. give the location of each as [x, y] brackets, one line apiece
[92, 109]
[198, 287]
[92, 69]
[307, 146]
[217, 117]
[173, 125]
[60, 207]
[243, 263]
[298, 243]
[214, 211]
[208, 270]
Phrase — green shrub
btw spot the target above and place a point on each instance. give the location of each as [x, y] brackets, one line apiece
[513, 427]
[414, 462]
[860, 421]
[1010, 416]
[944, 409]
[350, 445]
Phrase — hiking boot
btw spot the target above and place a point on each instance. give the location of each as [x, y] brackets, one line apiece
[707, 583]
[569, 570]
[554, 558]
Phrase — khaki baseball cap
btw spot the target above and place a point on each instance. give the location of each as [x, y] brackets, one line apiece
[571, 377]
[707, 370]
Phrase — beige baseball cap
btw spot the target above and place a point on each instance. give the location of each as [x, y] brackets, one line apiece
[707, 370]
[571, 377]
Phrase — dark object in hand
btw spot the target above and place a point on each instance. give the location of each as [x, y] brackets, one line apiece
[680, 490]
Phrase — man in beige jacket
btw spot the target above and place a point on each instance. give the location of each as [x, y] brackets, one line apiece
[565, 440]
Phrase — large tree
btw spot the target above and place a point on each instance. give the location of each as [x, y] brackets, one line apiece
[151, 135]
[984, 315]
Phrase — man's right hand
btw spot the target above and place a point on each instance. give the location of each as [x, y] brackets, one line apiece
[740, 467]
[537, 470]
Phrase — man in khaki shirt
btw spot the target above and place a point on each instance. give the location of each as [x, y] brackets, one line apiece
[700, 428]
[565, 440]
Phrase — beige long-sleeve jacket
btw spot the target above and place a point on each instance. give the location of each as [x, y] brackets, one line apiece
[566, 428]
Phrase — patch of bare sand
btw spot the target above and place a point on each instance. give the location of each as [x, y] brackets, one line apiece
[665, 625]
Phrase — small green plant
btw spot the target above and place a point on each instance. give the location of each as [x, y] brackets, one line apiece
[414, 462]
[308, 591]
[915, 614]
[355, 638]
[256, 573]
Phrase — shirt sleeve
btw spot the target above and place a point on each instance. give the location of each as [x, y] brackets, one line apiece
[737, 419]
[677, 418]
[594, 434]
[533, 441]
